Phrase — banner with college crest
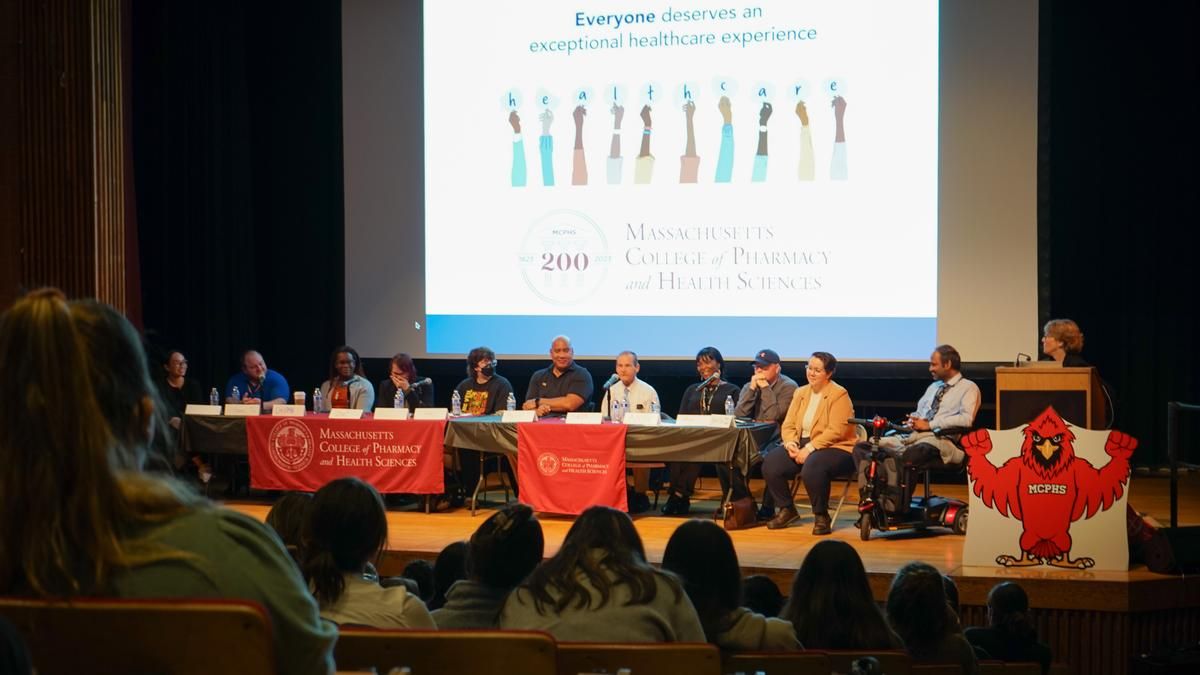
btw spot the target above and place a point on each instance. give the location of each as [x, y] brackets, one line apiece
[565, 468]
[304, 453]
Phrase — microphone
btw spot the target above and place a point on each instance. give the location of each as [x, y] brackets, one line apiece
[425, 381]
[613, 379]
[1017, 362]
[711, 378]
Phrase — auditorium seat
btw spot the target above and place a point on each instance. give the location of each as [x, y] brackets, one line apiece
[792, 663]
[479, 652]
[166, 637]
[639, 658]
[936, 669]
[892, 661]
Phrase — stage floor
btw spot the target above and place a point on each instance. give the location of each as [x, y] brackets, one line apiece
[777, 553]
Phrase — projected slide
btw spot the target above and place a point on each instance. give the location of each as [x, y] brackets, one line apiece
[662, 176]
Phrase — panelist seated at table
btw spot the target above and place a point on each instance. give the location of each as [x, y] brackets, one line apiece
[483, 392]
[402, 376]
[635, 394]
[256, 383]
[562, 387]
[765, 398]
[706, 398]
[817, 442]
[347, 386]
[1062, 342]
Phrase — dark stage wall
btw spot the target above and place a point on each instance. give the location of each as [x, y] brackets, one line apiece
[238, 169]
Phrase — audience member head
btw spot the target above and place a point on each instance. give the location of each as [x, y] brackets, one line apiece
[603, 547]
[762, 595]
[76, 413]
[506, 547]
[346, 529]
[450, 566]
[831, 606]
[421, 571]
[287, 517]
[917, 608]
[481, 361]
[1008, 611]
[344, 363]
[1061, 337]
[175, 365]
[709, 361]
[951, 590]
[402, 365]
[701, 553]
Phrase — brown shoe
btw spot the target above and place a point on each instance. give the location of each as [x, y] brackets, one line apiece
[784, 518]
[822, 525]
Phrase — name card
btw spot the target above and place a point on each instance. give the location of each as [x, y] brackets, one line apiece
[430, 413]
[287, 410]
[515, 416]
[585, 418]
[722, 421]
[645, 419]
[197, 409]
[345, 414]
[692, 420]
[242, 409]
[391, 413]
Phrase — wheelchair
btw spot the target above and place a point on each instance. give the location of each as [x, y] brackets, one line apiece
[877, 501]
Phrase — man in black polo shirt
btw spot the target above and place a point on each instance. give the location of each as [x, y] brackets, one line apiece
[563, 387]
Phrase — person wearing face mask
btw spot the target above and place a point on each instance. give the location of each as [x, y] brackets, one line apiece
[705, 398]
[346, 387]
[482, 392]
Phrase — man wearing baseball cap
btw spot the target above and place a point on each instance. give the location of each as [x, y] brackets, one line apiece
[765, 398]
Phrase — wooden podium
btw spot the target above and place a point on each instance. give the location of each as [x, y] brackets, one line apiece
[1023, 393]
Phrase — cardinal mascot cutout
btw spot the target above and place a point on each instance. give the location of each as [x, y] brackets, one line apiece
[1048, 494]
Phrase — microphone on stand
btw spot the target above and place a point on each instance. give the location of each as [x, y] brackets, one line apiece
[613, 379]
[709, 380]
[1019, 360]
[425, 381]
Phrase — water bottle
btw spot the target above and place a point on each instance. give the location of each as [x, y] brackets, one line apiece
[728, 405]
[655, 407]
[511, 402]
[235, 395]
[615, 414]
[456, 403]
[398, 399]
[318, 403]
[213, 397]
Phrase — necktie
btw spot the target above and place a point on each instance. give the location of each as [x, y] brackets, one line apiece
[937, 401]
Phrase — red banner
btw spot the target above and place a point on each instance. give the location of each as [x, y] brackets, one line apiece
[304, 453]
[565, 468]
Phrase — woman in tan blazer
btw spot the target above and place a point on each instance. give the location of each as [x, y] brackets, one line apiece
[817, 444]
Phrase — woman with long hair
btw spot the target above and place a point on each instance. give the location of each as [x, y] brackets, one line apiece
[347, 386]
[917, 609]
[78, 517]
[402, 376]
[831, 606]
[701, 553]
[346, 532]
[1010, 634]
[599, 588]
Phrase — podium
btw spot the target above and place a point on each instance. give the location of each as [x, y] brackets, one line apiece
[1023, 393]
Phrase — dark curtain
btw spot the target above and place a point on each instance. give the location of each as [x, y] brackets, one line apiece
[1117, 183]
[238, 159]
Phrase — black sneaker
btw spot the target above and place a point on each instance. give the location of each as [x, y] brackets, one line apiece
[676, 506]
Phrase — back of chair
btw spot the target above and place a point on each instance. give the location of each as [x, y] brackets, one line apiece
[479, 652]
[166, 637]
[892, 662]
[772, 663]
[651, 658]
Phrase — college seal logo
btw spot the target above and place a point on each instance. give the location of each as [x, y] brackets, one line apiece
[547, 463]
[291, 445]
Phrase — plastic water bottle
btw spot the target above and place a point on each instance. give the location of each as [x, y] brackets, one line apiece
[728, 405]
[615, 415]
[235, 395]
[318, 403]
[398, 399]
[456, 403]
[510, 403]
[655, 407]
[213, 397]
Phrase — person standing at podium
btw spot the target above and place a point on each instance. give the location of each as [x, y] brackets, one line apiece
[1062, 341]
